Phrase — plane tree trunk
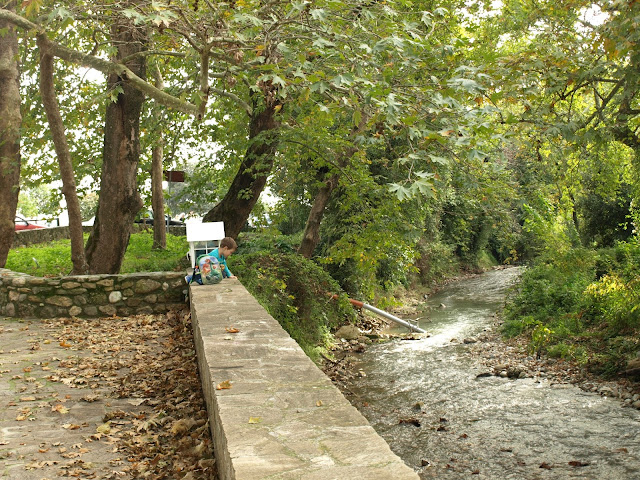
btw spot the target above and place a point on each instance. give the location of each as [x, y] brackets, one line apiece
[119, 198]
[234, 209]
[10, 121]
[56, 126]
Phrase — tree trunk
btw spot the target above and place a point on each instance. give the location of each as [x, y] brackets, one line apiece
[119, 198]
[52, 109]
[311, 235]
[10, 122]
[157, 199]
[234, 209]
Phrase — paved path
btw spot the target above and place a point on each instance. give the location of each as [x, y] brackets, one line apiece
[80, 399]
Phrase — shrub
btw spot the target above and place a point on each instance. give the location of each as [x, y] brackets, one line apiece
[296, 292]
[583, 304]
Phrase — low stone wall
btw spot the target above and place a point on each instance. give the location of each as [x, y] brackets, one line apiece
[25, 296]
[273, 413]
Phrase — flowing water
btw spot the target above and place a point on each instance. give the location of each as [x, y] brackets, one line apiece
[424, 397]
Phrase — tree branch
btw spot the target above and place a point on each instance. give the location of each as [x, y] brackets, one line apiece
[245, 106]
[102, 65]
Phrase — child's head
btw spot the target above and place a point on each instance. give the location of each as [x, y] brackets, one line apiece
[227, 246]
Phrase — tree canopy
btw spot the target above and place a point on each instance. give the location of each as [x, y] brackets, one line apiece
[392, 134]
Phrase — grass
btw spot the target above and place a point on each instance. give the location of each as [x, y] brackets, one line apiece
[54, 258]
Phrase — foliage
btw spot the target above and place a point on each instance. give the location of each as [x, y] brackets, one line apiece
[615, 302]
[584, 304]
[296, 292]
[54, 258]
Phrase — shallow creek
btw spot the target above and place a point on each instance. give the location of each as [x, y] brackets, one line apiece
[424, 398]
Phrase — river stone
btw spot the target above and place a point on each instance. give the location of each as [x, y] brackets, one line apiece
[348, 332]
[115, 296]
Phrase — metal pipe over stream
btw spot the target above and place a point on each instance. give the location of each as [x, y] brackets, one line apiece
[384, 314]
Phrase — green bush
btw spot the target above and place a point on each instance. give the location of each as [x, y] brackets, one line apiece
[575, 304]
[297, 293]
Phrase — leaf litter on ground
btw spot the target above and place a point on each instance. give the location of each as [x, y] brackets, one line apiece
[148, 364]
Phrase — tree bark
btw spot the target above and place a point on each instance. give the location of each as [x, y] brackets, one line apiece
[234, 209]
[311, 235]
[10, 122]
[157, 199]
[119, 198]
[52, 109]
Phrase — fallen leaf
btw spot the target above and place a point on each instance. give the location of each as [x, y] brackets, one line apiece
[64, 344]
[319, 403]
[254, 419]
[27, 399]
[60, 409]
[104, 429]
[411, 421]
[578, 463]
[545, 466]
[232, 330]
[224, 385]
[70, 426]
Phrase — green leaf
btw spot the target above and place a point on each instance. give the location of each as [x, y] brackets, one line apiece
[320, 86]
[439, 160]
[402, 193]
[426, 18]
[356, 117]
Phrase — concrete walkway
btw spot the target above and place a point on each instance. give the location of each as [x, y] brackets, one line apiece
[274, 414]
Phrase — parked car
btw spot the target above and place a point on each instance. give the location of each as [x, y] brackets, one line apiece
[147, 219]
[23, 224]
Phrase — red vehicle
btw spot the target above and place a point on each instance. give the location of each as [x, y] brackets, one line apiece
[22, 224]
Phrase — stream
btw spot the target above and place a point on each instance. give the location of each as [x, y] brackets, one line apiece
[424, 397]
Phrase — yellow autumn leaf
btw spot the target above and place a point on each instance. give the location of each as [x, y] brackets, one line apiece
[104, 428]
[319, 403]
[60, 409]
[254, 419]
[224, 385]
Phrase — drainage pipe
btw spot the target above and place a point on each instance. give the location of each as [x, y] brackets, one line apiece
[384, 314]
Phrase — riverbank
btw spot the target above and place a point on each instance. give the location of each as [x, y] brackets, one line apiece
[496, 355]
[510, 358]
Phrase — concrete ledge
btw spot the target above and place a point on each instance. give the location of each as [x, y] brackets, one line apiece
[282, 418]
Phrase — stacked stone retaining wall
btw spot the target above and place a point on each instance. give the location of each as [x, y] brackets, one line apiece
[25, 296]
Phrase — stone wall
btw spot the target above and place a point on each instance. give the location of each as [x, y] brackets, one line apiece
[25, 296]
